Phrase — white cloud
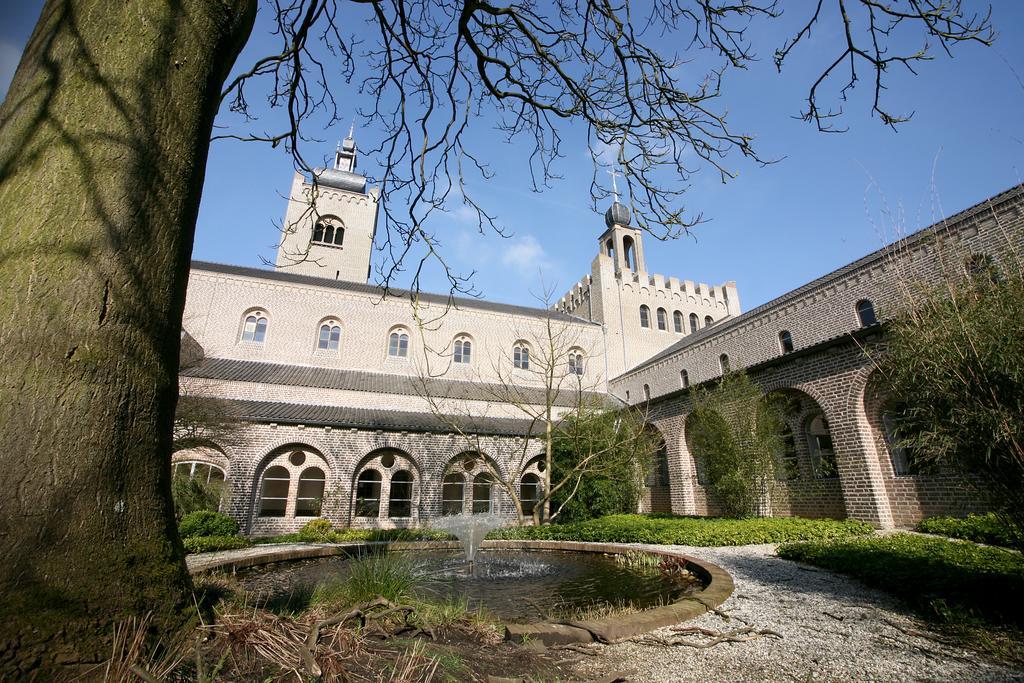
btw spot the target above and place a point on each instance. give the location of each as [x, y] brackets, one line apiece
[526, 256]
[9, 57]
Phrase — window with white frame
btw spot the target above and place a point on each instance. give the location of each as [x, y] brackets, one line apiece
[274, 491]
[329, 338]
[463, 353]
[254, 326]
[368, 494]
[662, 319]
[398, 343]
[521, 356]
[576, 362]
[400, 494]
[677, 321]
[453, 488]
[310, 497]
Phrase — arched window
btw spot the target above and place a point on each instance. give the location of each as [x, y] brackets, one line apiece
[708, 321]
[576, 362]
[463, 350]
[400, 498]
[610, 248]
[398, 344]
[482, 484]
[330, 336]
[274, 492]
[645, 316]
[368, 494]
[521, 356]
[529, 492]
[684, 379]
[786, 341]
[866, 313]
[326, 232]
[819, 441]
[662, 319]
[647, 392]
[694, 323]
[723, 363]
[310, 498]
[677, 322]
[788, 466]
[254, 327]
[452, 494]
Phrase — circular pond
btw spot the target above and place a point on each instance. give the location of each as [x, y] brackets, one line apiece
[514, 586]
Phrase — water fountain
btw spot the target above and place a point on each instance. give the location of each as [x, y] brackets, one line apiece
[471, 530]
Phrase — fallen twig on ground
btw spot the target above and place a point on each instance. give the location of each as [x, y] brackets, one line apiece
[740, 635]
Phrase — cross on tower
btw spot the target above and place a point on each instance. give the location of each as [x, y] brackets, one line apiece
[615, 190]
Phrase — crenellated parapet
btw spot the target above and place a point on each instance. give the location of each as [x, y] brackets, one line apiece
[576, 298]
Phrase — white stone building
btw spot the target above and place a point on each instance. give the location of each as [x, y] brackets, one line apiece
[356, 411]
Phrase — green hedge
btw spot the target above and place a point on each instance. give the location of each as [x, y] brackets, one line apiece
[207, 523]
[318, 534]
[978, 528]
[696, 531]
[945, 578]
[208, 544]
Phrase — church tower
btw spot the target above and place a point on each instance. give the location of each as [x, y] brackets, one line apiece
[642, 314]
[330, 225]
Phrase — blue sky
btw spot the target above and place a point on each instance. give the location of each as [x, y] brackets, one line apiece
[830, 199]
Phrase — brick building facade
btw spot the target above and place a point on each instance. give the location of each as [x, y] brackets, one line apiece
[357, 410]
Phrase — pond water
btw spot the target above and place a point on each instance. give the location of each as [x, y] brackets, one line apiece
[512, 585]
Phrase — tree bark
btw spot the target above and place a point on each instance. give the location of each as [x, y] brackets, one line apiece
[103, 144]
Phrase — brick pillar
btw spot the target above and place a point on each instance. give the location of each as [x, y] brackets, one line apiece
[681, 473]
[860, 474]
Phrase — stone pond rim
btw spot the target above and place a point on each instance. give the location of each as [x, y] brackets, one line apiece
[718, 584]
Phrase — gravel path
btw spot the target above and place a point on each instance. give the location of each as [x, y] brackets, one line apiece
[833, 629]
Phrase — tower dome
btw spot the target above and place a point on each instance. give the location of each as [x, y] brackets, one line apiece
[617, 214]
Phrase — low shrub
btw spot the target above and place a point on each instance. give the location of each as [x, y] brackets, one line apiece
[695, 531]
[945, 579]
[358, 535]
[978, 528]
[317, 531]
[209, 544]
[207, 523]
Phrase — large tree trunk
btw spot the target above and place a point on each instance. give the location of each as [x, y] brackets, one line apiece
[103, 144]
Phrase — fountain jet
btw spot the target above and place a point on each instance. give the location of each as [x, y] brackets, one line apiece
[470, 529]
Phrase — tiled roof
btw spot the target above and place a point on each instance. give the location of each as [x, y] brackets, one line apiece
[359, 380]
[364, 418]
[373, 290]
[859, 264]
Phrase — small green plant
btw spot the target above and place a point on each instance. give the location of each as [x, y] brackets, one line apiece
[637, 559]
[317, 531]
[388, 575]
[207, 523]
[209, 544]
